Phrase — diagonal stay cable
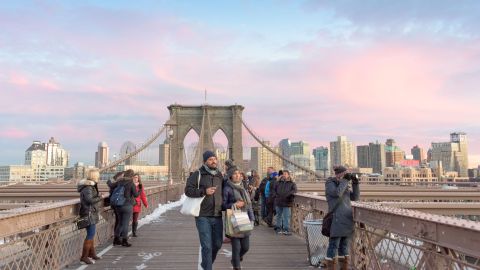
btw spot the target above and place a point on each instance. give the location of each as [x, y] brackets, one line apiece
[303, 168]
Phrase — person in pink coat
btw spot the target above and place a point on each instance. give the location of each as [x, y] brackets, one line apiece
[137, 208]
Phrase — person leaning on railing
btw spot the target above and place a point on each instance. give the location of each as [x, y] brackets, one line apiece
[339, 196]
[89, 197]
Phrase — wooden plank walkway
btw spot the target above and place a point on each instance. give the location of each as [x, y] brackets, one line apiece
[171, 242]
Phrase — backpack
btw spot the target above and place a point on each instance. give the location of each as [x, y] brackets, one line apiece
[118, 196]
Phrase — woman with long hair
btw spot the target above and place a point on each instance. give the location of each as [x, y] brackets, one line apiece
[89, 197]
[235, 194]
[137, 208]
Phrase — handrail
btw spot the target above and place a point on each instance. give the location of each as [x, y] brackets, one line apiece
[24, 219]
[439, 232]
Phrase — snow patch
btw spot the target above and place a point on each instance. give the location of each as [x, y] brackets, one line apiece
[161, 209]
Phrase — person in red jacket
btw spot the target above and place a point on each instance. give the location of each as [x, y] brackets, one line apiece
[137, 208]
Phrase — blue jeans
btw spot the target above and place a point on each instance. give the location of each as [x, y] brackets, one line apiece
[339, 244]
[124, 215]
[263, 207]
[210, 232]
[283, 218]
[90, 231]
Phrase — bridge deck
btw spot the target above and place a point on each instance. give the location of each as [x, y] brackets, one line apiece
[171, 242]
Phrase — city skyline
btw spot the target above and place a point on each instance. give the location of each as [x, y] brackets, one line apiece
[409, 72]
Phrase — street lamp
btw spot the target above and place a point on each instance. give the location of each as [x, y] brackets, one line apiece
[170, 137]
[169, 125]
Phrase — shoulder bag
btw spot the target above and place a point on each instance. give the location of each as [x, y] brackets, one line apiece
[328, 219]
[191, 206]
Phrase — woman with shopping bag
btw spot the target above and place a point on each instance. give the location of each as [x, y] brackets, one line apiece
[238, 217]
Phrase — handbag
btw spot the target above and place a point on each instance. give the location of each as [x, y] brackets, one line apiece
[328, 219]
[240, 221]
[191, 206]
[83, 222]
[229, 231]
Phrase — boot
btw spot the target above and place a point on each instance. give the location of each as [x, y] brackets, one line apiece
[343, 263]
[134, 229]
[85, 250]
[331, 264]
[125, 243]
[93, 254]
[117, 241]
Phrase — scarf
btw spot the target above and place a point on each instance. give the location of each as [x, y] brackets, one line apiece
[240, 193]
[210, 171]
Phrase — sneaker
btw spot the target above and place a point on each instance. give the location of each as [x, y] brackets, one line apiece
[287, 233]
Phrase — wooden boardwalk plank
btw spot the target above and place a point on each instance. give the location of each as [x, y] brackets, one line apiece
[171, 242]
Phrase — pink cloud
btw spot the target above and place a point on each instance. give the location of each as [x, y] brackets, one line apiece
[18, 80]
[13, 133]
[49, 85]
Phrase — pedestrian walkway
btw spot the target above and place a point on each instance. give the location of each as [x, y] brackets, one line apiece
[171, 242]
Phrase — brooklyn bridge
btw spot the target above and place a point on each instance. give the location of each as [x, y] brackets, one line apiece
[397, 225]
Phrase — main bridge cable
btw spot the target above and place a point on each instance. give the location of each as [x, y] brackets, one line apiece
[134, 153]
[287, 160]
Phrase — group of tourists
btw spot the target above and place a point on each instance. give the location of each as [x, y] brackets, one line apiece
[235, 189]
[126, 196]
[272, 197]
[221, 192]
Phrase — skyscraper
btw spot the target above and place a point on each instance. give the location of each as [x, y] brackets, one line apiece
[377, 156]
[371, 156]
[163, 155]
[261, 159]
[418, 153]
[285, 149]
[342, 152]
[322, 160]
[36, 155]
[363, 156]
[453, 154]
[101, 156]
[56, 155]
[393, 154]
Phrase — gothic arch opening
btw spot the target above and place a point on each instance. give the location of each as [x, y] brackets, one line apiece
[221, 145]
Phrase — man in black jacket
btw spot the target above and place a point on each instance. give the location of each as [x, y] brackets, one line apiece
[209, 222]
[283, 193]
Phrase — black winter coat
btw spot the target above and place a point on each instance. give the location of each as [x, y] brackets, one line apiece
[89, 198]
[130, 190]
[212, 204]
[262, 186]
[284, 192]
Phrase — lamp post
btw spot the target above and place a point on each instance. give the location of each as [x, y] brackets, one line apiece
[169, 125]
[170, 137]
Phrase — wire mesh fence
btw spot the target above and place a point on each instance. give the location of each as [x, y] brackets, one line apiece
[375, 247]
[56, 245]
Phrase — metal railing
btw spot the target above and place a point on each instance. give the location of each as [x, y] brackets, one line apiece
[393, 238]
[46, 237]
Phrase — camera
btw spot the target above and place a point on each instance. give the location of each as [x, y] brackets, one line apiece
[352, 176]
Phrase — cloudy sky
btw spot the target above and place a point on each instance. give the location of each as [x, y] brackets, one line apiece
[85, 72]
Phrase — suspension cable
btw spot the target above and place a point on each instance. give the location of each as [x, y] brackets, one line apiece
[285, 159]
[143, 147]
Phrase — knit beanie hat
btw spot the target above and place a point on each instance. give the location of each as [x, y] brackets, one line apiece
[208, 154]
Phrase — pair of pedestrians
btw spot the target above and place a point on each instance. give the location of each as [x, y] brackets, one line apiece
[130, 189]
[219, 196]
